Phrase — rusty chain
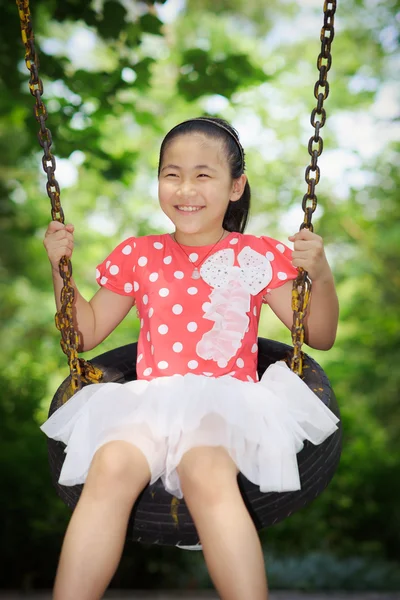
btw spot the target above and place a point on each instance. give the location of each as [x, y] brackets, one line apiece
[302, 284]
[81, 371]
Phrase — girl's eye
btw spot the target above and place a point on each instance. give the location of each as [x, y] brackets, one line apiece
[171, 175]
[203, 175]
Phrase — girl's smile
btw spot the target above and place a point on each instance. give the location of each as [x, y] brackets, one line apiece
[189, 210]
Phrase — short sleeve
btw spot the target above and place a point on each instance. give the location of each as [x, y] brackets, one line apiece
[116, 272]
[280, 258]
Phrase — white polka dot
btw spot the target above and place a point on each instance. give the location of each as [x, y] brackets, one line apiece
[270, 256]
[208, 374]
[164, 292]
[232, 373]
[192, 291]
[114, 270]
[147, 372]
[179, 275]
[177, 309]
[103, 280]
[128, 287]
[280, 247]
[141, 322]
[192, 326]
[250, 378]
[108, 263]
[158, 245]
[193, 364]
[255, 311]
[254, 348]
[282, 276]
[139, 358]
[145, 299]
[193, 256]
[234, 241]
[206, 306]
[177, 347]
[222, 363]
[135, 286]
[153, 277]
[240, 363]
[167, 260]
[97, 273]
[142, 262]
[151, 312]
[162, 365]
[148, 336]
[134, 268]
[127, 249]
[163, 329]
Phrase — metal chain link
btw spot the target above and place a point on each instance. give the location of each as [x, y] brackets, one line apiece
[302, 284]
[81, 370]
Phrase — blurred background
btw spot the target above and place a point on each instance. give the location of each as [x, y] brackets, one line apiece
[117, 75]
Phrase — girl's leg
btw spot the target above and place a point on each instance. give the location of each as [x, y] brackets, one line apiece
[231, 545]
[96, 533]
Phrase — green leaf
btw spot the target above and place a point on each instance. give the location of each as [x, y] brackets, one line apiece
[202, 74]
[151, 24]
[74, 10]
[143, 72]
[113, 22]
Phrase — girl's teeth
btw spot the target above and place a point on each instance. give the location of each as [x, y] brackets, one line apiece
[190, 208]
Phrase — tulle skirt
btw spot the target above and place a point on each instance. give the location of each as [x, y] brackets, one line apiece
[262, 425]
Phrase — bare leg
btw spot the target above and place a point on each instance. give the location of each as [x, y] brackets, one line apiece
[96, 533]
[231, 545]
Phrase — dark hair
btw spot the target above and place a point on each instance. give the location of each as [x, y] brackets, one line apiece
[237, 213]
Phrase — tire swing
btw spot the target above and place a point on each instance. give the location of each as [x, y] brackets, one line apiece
[158, 517]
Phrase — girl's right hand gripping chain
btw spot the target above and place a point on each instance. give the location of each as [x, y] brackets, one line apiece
[59, 242]
[95, 319]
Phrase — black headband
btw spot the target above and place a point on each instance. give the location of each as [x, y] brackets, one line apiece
[220, 126]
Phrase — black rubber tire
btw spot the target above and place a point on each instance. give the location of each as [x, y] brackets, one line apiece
[158, 517]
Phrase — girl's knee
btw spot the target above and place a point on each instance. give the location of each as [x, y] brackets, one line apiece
[207, 474]
[119, 465]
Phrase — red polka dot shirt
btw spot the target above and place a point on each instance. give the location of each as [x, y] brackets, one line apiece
[206, 326]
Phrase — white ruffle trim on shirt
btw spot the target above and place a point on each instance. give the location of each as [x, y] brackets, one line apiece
[228, 309]
[263, 425]
[230, 300]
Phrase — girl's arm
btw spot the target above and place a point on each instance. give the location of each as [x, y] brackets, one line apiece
[96, 319]
[323, 310]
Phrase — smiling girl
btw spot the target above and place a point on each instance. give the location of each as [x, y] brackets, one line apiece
[197, 414]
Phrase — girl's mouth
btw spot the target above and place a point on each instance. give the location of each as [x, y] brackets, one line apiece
[190, 209]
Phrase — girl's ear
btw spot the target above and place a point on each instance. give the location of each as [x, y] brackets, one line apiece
[238, 188]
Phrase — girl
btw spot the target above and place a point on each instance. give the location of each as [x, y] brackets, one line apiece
[197, 415]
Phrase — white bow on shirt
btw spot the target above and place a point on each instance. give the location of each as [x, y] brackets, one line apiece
[254, 272]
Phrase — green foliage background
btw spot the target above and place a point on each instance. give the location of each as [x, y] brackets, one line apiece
[117, 75]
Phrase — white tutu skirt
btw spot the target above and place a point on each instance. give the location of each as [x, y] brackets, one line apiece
[262, 425]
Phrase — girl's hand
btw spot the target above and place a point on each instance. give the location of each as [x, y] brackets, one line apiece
[309, 254]
[59, 242]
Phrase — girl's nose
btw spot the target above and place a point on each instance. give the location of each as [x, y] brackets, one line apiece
[186, 191]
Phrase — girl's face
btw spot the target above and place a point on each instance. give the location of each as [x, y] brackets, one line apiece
[195, 185]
